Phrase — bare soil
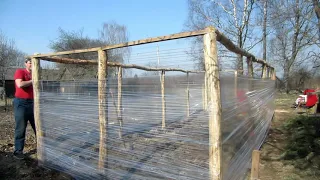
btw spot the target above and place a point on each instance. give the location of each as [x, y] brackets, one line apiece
[13, 169]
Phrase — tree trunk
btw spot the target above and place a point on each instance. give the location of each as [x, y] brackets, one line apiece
[265, 30]
[286, 78]
[316, 6]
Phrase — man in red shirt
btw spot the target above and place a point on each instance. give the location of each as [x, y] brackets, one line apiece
[23, 107]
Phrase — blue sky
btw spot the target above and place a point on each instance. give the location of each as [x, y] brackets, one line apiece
[34, 23]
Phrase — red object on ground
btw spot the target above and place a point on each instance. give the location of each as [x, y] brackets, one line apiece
[312, 99]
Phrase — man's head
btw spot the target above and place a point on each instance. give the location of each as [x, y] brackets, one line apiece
[28, 64]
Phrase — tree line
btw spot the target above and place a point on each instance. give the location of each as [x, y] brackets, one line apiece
[287, 32]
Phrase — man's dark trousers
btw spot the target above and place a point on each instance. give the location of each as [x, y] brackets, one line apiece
[23, 112]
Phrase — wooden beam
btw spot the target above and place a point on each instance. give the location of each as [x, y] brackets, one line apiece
[220, 37]
[127, 44]
[113, 64]
[119, 107]
[36, 94]
[149, 68]
[214, 102]
[76, 51]
[163, 100]
[230, 70]
[255, 165]
[70, 61]
[234, 48]
[103, 111]
[158, 39]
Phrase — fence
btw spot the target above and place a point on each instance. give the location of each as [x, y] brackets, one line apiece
[196, 124]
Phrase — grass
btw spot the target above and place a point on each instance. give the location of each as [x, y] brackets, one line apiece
[304, 139]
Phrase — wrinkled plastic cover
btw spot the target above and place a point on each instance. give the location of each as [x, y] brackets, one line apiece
[70, 120]
[146, 151]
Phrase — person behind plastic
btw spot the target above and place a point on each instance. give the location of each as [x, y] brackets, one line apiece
[23, 107]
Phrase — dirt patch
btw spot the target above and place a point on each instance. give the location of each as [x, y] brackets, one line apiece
[273, 165]
[13, 169]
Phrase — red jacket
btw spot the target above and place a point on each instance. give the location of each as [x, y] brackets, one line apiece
[312, 99]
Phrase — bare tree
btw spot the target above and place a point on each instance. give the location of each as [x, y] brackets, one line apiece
[294, 33]
[264, 36]
[232, 17]
[9, 56]
[76, 40]
[111, 33]
[316, 7]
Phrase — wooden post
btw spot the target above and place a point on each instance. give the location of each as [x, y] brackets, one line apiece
[163, 101]
[235, 83]
[268, 72]
[264, 71]
[188, 96]
[255, 165]
[273, 76]
[250, 73]
[250, 67]
[102, 98]
[214, 108]
[36, 108]
[119, 108]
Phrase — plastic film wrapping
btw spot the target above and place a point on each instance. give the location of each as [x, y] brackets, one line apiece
[157, 125]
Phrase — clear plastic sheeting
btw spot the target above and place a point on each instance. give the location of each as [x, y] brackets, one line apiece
[139, 145]
[156, 121]
[247, 111]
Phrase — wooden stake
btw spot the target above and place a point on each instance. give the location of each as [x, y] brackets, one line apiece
[119, 109]
[264, 72]
[36, 107]
[250, 67]
[273, 76]
[163, 101]
[188, 96]
[255, 165]
[250, 74]
[102, 98]
[214, 108]
[235, 83]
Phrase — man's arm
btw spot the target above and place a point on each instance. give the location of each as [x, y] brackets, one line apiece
[22, 84]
